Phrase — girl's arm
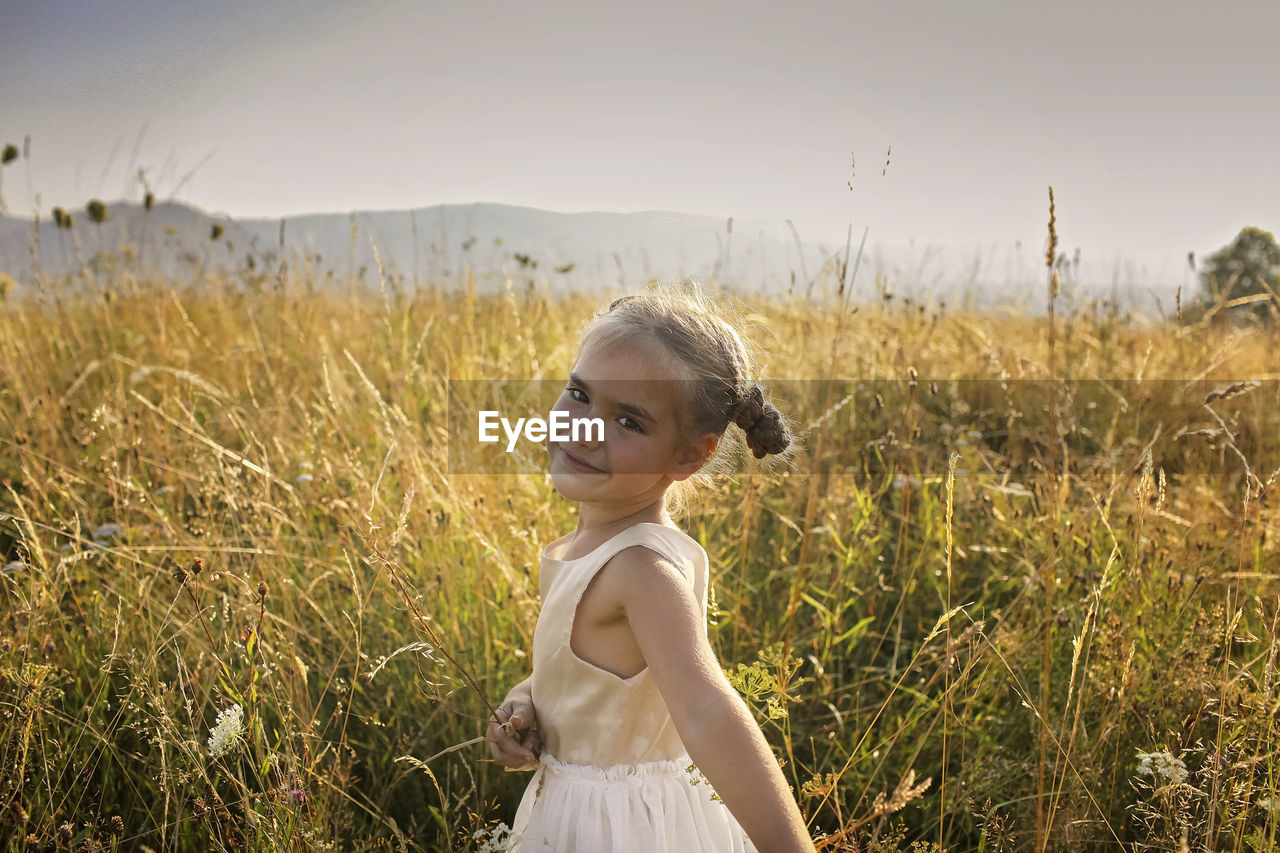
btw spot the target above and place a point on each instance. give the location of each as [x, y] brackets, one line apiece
[713, 722]
[510, 752]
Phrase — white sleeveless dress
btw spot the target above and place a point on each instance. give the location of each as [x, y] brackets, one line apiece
[613, 776]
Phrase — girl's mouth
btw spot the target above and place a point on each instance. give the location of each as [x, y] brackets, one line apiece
[577, 464]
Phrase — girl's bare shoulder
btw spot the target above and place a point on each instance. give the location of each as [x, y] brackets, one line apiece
[643, 570]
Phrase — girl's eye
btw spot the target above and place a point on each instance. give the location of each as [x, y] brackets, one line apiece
[577, 394]
[630, 423]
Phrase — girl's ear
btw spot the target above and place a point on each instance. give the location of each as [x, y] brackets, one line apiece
[695, 456]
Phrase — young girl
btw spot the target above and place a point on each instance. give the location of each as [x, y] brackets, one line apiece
[626, 695]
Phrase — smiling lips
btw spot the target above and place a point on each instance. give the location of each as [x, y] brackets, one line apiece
[577, 464]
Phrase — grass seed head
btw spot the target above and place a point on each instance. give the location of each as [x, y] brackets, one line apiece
[10, 153]
[1235, 389]
[97, 211]
[1052, 251]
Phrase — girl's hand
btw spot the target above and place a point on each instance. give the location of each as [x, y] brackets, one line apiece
[513, 733]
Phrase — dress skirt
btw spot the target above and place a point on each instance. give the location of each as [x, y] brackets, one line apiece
[655, 807]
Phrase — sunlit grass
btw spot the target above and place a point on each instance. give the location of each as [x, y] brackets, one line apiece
[204, 491]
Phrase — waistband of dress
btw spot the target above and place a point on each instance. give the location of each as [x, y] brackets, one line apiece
[675, 767]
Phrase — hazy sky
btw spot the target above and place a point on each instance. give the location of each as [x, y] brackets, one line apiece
[1156, 122]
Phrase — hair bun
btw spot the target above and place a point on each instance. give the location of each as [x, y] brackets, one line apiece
[761, 422]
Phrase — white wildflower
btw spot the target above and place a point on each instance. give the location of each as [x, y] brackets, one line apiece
[164, 490]
[303, 478]
[226, 731]
[500, 838]
[15, 566]
[1162, 765]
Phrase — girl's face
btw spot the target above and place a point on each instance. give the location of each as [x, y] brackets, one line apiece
[642, 451]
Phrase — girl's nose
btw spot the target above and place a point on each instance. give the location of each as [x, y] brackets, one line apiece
[588, 436]
[588, 440]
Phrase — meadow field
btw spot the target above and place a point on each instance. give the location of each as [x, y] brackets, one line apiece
[1017, 592]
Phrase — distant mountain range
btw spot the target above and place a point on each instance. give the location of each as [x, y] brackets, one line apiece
[501, 244]
[440, 244]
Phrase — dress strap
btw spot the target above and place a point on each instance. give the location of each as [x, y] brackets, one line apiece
[656, 537]
[574, 576]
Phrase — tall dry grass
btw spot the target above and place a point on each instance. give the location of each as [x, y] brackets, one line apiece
[997, 605]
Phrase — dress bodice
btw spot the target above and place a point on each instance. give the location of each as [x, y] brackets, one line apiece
[588, 715]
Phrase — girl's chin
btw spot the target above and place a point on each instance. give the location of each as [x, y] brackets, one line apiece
[567, 482]
[568, 490]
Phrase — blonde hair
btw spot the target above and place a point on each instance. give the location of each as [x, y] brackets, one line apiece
[702, 345]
